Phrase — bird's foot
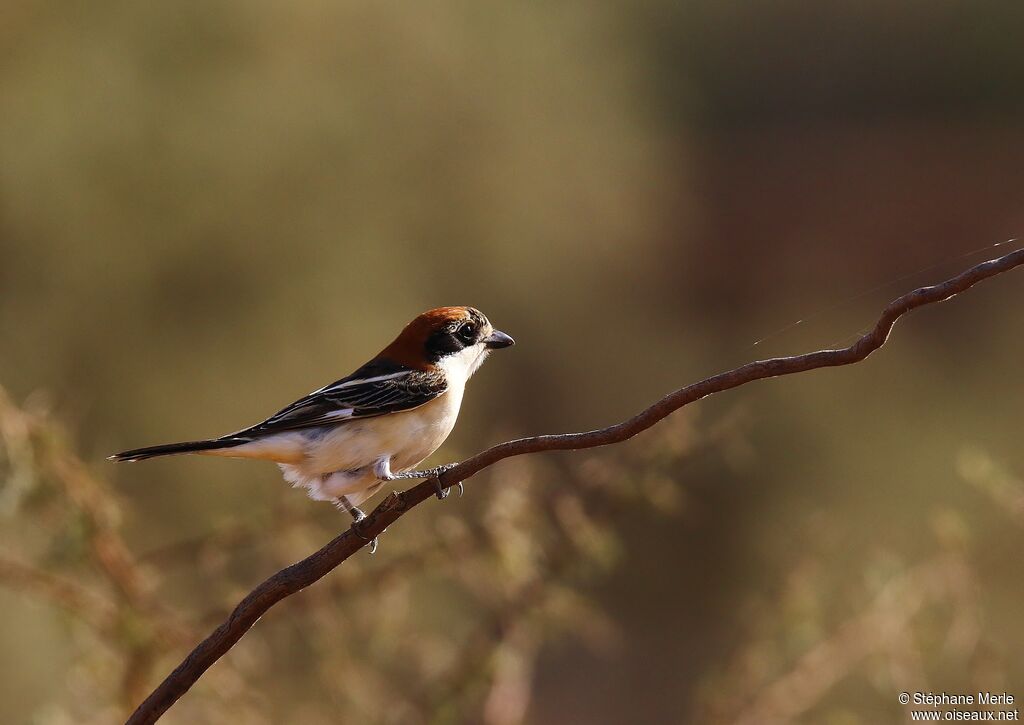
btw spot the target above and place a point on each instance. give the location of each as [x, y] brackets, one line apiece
[382, 469]
[358, 529]
[357, 518]
[435, 473]
[443, 493]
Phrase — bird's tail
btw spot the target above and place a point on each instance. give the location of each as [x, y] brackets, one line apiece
[170, 449]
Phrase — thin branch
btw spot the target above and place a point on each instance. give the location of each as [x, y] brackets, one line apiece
[77, 599]
[41, 447]
[298, 576]
[109, 550]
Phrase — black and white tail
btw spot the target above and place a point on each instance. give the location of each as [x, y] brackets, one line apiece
[171, 449]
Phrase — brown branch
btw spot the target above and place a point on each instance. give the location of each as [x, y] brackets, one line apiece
[300, 575]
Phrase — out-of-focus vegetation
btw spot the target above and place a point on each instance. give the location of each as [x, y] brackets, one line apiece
[209, 209]
[447, 627]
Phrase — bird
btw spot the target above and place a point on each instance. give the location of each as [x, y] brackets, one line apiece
[344, 441]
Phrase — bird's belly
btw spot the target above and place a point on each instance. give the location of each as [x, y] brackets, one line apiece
[407, 438]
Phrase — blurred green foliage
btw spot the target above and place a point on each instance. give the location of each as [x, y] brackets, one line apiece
[209, 209]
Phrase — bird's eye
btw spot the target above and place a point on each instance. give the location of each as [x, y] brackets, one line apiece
[467, 332]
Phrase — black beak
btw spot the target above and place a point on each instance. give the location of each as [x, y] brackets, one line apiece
[497, 340]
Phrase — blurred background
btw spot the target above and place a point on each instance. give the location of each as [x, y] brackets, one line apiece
[209, 209]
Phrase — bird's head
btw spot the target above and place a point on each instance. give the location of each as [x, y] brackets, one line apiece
[455, 339]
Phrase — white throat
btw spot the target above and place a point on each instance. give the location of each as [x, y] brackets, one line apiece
[459, 367]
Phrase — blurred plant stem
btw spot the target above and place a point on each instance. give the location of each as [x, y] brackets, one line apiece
[517, 567]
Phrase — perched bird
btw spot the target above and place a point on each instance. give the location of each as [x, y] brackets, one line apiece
[344, 441]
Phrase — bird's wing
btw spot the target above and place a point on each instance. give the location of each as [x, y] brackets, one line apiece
[365, 394]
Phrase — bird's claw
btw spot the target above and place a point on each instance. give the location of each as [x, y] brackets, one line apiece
[358, 518]
[357, 528]
[443, 493]
[435, 473]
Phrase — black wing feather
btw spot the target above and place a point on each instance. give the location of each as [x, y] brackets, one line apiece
[371, 391]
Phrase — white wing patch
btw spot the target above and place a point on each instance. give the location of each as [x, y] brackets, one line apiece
[339, 414]
[360, 381]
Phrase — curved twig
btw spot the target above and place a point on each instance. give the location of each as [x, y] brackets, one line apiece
[300, 575]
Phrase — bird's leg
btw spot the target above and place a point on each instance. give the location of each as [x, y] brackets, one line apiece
[382, 470]
[357, 518]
